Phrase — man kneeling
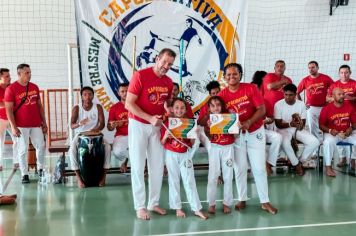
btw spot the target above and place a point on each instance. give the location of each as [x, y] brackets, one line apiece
[88, 119]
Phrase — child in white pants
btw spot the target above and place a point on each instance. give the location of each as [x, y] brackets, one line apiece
[179, 163]
[221, 154]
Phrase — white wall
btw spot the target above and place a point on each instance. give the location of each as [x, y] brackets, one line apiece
[299, 31]
[37, 31]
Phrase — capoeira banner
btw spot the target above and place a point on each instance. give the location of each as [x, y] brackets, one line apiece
[118, 36]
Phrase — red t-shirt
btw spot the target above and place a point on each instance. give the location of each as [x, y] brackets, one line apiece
[118, 112]
[222, 139]
[173, 145]
[269, 109]
[349, 88]
[316, 89]
[28, 115]
[203, 112]
[273, 95]
[338, 118]
[244, 101]
[189, 113]
[151, 92]
[2, 109]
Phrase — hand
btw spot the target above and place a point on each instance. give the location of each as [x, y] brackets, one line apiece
[348, 132]
[245, 125]
[16, 132]
[333, 132]
[268, 121]
[167, 134]
[156, 120]
[44, 128]
[350, 98]
[83, 122]
[342, 135]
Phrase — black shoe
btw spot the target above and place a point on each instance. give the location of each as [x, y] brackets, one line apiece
[25, 179]
[40, 173]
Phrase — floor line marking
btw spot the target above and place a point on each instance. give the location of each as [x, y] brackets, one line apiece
[220, 200]
[9, 179]
[259, 229]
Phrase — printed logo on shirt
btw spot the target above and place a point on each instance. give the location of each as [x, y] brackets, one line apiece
[157, 95]
[316, 88]
[341, 119]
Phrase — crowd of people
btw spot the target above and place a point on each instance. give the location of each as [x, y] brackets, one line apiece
[270, 110]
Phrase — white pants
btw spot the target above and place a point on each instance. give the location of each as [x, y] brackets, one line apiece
[73, 150]
[313, 114]
[275, 139]
[330, 142]
[120, 147]
[38, 143]
[310, 142]
[144, 143]
[252, 145]
[181, 165]
[4, 125]
[220, 156]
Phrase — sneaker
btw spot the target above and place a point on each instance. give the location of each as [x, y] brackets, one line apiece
[25, 179]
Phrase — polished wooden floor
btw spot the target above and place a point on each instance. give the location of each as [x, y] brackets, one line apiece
[310, 205]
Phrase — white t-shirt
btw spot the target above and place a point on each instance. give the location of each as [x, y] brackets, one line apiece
[92, 116]
[284, 111]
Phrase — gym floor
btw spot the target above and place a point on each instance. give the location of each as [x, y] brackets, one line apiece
[310, 205]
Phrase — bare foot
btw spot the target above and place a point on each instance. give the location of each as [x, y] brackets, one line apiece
[159, 210]
[226, 209]
[14, 196]
[81, 183]
[180, 213]
[342, 162]
[6, 200]
[211, 210]
[123, 167]
[353, 164]
[269, 169]
[240, 205]
[330, 172]
[102, 183]
[269, 208]
[201, 214]
[143, 214]
[299, 169]
[220, 180]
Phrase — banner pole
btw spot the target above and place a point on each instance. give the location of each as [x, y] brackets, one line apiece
[181, 45]
[233, 38]
[134, 55]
